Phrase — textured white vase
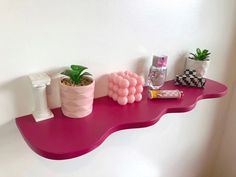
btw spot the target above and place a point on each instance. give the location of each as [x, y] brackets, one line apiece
[200, 66]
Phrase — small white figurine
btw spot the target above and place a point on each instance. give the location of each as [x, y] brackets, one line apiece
[39, 83]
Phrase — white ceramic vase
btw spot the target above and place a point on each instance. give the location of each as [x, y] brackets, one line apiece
[200, 66]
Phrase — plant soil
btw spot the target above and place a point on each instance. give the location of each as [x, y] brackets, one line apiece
[83, 82]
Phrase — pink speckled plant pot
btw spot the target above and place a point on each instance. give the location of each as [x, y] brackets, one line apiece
[77, 102]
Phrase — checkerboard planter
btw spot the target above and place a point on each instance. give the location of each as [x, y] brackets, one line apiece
[199, 66]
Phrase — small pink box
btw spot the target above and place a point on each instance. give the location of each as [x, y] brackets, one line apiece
[125, 87]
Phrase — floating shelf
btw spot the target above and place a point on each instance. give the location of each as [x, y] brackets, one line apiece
[64, 138]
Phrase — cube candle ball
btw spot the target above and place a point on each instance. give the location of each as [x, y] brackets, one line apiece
[125, 87]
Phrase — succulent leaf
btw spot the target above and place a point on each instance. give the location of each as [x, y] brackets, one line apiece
[78, 67]
[198, 51]
[86, 74]
[75, 73]
[67, 72]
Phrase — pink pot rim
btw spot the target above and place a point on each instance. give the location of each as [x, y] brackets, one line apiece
[84, 86]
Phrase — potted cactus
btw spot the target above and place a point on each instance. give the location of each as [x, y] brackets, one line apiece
[199, 61]
[77, 92]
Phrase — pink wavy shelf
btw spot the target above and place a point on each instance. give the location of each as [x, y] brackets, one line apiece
[64, 138]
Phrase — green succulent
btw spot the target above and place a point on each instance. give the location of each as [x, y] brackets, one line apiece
[76, 73]
[200, 55]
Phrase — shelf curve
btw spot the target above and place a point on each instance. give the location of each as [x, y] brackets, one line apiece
[65, 138]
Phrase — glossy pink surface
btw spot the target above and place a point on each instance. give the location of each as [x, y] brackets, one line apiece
[65, 138]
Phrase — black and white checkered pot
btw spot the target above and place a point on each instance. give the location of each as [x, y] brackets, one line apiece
[200, 66]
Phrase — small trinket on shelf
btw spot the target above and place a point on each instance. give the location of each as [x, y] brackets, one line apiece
[157, 73]
[39, 82]
[125, 87]
[165, 94]
[190, 78]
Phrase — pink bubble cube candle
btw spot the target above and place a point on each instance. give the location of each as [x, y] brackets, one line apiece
[125, 87]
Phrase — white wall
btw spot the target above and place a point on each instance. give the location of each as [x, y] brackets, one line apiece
[225, 164]
[106, 36]
[226, 156]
